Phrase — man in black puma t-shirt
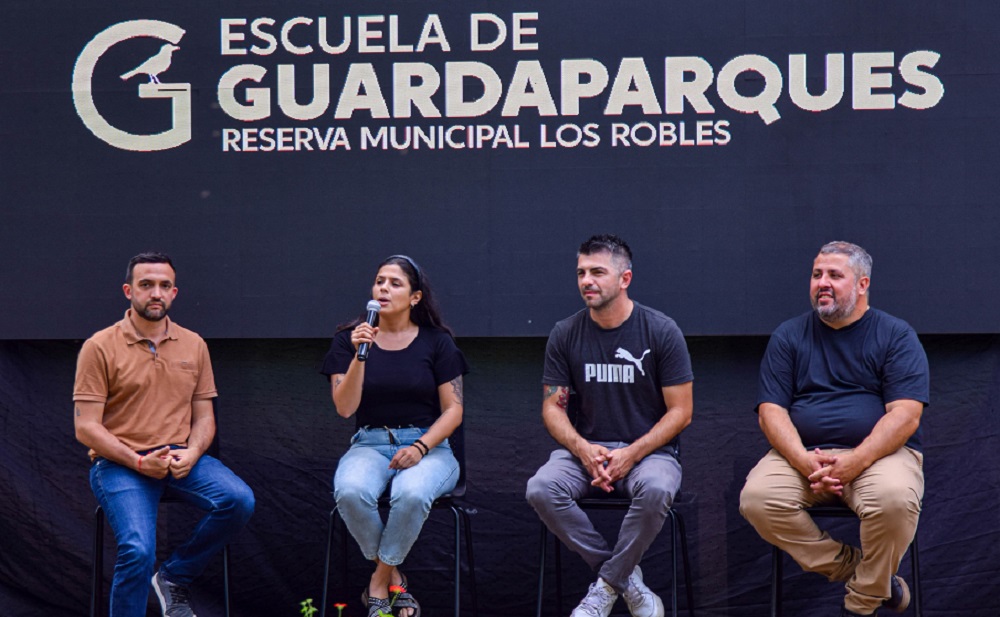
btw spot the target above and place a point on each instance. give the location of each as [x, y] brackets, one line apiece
[627, 369]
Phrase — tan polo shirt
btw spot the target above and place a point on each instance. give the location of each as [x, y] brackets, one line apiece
[146, 393]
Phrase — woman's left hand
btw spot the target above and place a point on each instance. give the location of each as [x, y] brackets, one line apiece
[406, 458]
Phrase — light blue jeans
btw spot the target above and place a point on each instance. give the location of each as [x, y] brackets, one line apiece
[362, 476]
[130, 501]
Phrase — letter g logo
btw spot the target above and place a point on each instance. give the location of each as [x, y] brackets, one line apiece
[83, 98]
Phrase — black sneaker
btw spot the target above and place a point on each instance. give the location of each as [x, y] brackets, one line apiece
[175, 601]
[899, 595]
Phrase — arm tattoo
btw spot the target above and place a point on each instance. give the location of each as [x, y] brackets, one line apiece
[456, 386]
[77, 412]
[336, 381]
[563, 391]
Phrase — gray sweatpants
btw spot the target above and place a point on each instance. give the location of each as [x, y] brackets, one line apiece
[651, 484]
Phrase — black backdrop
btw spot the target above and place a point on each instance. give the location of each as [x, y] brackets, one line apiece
[274, 248]
[279, 244]
[280, 434]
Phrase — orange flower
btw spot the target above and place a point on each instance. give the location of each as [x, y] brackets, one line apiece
[340, 605]
[397, 589]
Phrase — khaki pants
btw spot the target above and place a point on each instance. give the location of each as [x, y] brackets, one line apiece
[886, 497]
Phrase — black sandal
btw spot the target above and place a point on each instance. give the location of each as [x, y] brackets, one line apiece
[377, 606]
[405, 599]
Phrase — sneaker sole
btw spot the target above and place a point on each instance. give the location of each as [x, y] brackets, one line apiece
[159, 595]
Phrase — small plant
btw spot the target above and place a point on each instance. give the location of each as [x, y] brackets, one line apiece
[308, 610]
[340, 606]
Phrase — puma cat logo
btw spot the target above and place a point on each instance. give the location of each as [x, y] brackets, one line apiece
[624, 354]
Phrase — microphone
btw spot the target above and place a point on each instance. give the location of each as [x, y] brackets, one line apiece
[373, 308]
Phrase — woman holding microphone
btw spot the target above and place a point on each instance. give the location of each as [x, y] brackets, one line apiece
[406, 398]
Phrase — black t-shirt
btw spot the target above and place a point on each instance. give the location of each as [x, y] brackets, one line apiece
[400, 387]
[835, 384]
[617, 374]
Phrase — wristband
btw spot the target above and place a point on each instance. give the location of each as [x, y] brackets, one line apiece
[422, 447]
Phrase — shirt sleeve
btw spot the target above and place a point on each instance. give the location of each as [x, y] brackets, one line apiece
[338, 359]
[776, 382]
[205, 388]
[91, 374]
[906, 374]
[674, 361]
[449, 361]
[556, 371]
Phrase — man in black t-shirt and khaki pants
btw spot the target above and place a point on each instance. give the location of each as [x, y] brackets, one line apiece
[628, 368]
[841, 392]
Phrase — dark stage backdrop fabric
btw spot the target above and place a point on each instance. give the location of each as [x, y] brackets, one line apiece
[280, 433]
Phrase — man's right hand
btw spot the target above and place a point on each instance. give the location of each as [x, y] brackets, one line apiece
[156, 464]
[820, 481]
[594, 458]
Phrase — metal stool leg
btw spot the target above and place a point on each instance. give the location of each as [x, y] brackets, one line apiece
[915, 566]
[559, 594]
[541, 568]
[326, 563]
[97, 573]
[470, 557]
[673, 560]
[776, 574]
[687, 562]
[225, 578]
[458, 561]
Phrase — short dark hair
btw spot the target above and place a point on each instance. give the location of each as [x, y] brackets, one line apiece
[609, 243]
[147, 258]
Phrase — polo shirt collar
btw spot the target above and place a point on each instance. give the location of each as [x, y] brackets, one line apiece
[132, 335]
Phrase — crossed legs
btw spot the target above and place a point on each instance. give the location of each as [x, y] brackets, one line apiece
[887, 499]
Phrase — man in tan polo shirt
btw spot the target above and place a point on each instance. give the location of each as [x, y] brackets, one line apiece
[143, 405]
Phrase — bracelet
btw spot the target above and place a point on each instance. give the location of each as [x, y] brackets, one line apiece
[421, 446]
[139, 466]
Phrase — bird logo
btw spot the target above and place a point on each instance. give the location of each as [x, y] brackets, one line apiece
[179, 94]
[153, 66]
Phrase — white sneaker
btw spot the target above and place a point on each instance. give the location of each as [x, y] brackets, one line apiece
[641, 600]
[598, 601]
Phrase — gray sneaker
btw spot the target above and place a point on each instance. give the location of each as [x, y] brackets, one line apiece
[641, 600]
[598, 601]
[175, 601]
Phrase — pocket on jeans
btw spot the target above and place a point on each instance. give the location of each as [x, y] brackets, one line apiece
[357, 436]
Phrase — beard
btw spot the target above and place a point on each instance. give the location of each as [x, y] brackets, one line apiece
[837, 310]
[155, 313]
[600, 301]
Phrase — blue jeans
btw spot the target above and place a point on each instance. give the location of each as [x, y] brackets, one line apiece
[362, 476]
[130, 502]
[651, 485]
